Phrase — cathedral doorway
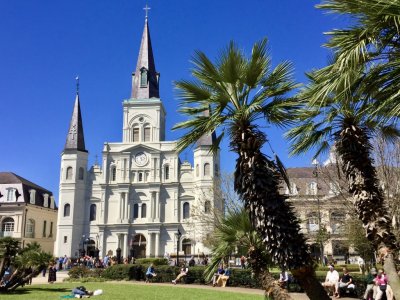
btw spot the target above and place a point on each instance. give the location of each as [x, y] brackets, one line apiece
[139, 246]
[91, 248]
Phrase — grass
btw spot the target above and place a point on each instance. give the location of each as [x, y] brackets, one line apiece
[121, 291]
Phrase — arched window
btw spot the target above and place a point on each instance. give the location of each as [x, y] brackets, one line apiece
[81, 173]
[166, 172]
[113, 173]
[206, 169]
[140, 176]
[8, 227]
[143, 77]
[337, 222]
[313, 222]
[11, 194]
[30, 228]
[32, 196]
[144, 210]
[187, 246]
[46, 200]
[207, 207]
[135, 211]
[67, 210]
[92, 216]
[135, 134]
[69, 173]
[186, 210]
[197, 170]
[146, 134]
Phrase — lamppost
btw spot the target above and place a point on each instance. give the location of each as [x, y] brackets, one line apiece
[178, 234]
[315, 163]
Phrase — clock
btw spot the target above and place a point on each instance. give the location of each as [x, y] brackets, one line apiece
[141, 159]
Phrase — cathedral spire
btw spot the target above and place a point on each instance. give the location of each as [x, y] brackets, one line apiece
[145, 78]
[207, 139]
[75, 138]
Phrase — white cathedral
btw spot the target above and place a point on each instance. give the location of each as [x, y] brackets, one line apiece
[141, 198]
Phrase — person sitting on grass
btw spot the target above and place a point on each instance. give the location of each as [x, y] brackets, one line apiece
[150, 273]
[81, 292]
[223, 279]
[283, 279]
[331, 280]
[183, 273]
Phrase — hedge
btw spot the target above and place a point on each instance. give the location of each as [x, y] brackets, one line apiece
[155, 261]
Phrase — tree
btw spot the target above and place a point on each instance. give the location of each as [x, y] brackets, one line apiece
[370, 41]
[343, 119]
[236, 92]
[235, 233]
[23, 264]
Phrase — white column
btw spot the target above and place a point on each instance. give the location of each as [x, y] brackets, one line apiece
[125, 207]
[120, 207]
[152, 205]
[124, 249]
[148, 245]
[157, 201]
[140, 211]
[157, 245]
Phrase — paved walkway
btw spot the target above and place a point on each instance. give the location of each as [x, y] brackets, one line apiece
[296, 296]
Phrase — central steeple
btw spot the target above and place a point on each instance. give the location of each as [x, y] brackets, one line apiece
[145, 79]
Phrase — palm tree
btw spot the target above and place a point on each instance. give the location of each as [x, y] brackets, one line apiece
[233, 94]
[372, 40]
[343, 119]
[234, 232]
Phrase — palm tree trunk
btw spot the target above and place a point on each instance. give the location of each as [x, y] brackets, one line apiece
[354, 147]
[257, 182]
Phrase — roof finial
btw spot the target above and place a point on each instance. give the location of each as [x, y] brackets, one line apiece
[77, 84]
[147, 8]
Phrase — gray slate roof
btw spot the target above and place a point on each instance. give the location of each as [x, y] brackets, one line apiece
[75, 139]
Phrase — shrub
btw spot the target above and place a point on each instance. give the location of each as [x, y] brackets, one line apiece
[118, 272]
[78, 272]
[155, 261]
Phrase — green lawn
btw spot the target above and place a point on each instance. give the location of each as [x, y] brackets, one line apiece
[120, 291]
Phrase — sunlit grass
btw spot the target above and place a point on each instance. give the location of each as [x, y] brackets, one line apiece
[116, 291]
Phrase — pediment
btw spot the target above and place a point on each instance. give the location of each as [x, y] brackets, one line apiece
[140, 147]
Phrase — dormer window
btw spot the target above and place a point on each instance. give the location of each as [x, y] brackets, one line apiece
[143, 77]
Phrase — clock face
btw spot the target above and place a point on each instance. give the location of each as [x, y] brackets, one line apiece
[141, 159]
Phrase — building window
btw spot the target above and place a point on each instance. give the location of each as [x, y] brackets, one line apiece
[8, 227]
[313, 223]
[197, 170]
[69, 173]
[144, 208]
[333, 189]
[312, 188]
[46, 200]
[146, 134]
[113, 173]
[44, 228]
[207, 207]
[135, 211]
[81, 173]
[143, 78]
[11, 194]
[140, 176]
[186, 210]
[92, 216]
[166, 172]
[187, 246]
[206, 169]
[32, 196]
[337, 222]
[67, 209]
[30, 228]
[135, 134]
[51, 230]
[65, 239]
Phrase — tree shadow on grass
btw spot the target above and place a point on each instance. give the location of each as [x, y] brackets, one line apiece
[28, 290]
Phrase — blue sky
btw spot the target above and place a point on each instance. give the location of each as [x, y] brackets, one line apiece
[45, 44]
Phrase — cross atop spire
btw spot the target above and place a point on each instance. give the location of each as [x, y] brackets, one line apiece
[77, 84]
[146, 8]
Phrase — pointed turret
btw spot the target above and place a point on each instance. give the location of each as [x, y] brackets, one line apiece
[145, 79]
[75, 138]
[206, 139]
